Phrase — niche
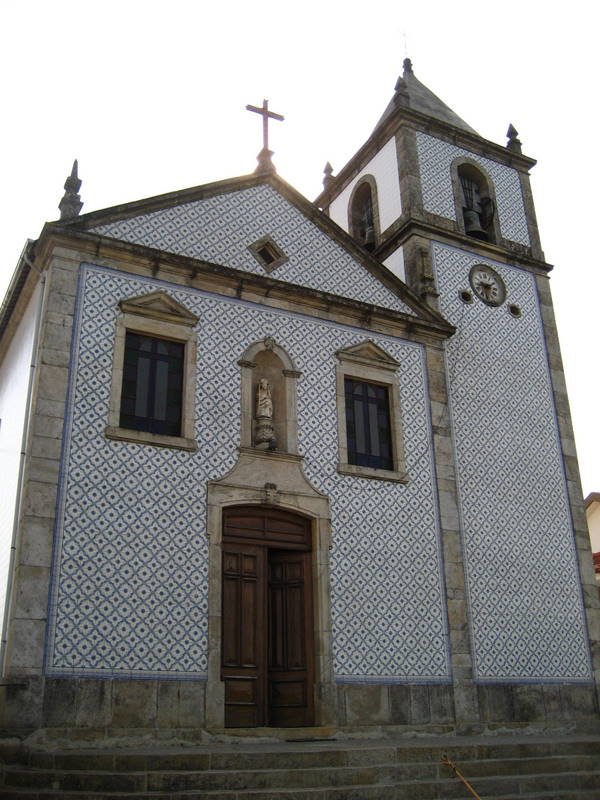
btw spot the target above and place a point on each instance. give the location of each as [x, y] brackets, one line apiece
[269, 415]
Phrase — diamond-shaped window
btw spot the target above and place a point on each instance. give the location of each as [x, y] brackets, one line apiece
[268, 253]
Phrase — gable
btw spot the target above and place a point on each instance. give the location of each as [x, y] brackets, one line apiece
[368, 352]
[223, 229]
[159, 305]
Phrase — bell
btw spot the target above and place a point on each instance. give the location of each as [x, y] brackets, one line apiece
[473, 225]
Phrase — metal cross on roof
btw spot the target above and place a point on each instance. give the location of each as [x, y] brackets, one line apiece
[266, 114]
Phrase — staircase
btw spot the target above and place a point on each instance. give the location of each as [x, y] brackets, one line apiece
[506, 768]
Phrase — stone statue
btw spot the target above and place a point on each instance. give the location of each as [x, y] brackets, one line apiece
[264, 402]
[264, 431]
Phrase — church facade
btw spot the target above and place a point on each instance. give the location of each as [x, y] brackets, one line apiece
[294, 464]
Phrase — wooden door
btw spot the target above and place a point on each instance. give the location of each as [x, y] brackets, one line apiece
[243, 662]
[267, 636]
[289, 680]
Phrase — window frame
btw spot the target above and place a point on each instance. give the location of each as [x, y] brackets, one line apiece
[362, 411]
[159, 317]
[369, 363]
[153, 374]
[270, 245]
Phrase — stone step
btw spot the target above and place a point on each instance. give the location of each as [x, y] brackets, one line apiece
[409, 791]
[333, 770]
[381, 792]
[255, 784]
[567, 794]
[283, 755]
[183, 778]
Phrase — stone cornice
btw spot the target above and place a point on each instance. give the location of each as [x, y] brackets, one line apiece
[219, 279]
[21, 287]
[419, 227]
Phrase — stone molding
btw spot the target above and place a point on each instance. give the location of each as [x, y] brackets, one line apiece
[259, 478]
[372, 183]
[155, 314]
[289, 418]
[369, 362]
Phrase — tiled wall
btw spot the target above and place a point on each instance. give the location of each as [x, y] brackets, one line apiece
[220, 228]
[522, 574]
[129, 587]
[435, 158]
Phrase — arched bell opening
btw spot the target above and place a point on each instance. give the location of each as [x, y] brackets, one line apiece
[476, 210]
[363, 216]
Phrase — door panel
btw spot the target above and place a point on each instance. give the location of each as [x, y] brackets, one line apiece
[267, 638]
[243, 637]
[290, 635]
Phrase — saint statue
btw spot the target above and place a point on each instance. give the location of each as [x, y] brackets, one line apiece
[264, 402]
[264, 430]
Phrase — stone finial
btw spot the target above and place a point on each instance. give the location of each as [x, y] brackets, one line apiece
[401, 98]
[328, 179]
[265, 165]
[513, 142]
[71, 204]
[407, 64]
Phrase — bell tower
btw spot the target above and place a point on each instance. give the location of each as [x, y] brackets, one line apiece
[452, 215]
[423, 173]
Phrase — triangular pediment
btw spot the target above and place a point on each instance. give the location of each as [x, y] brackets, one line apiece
[222, 223]
[368, 352]
[159, 305]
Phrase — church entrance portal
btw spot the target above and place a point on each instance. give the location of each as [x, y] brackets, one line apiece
[267, 662]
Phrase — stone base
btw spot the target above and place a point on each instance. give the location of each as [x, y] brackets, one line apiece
[95, 709]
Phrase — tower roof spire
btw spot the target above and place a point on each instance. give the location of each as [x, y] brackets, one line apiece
[71, 204]
[411, 93]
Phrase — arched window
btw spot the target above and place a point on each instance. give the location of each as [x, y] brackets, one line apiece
[476, 203]
[363, 215]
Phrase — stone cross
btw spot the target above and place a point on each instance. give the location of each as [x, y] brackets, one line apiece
[266, 114]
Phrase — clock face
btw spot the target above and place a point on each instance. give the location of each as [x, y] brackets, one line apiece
[487, 285]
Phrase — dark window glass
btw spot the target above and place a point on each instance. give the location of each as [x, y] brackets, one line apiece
[151, 394]
[368, 424]
[267, 255]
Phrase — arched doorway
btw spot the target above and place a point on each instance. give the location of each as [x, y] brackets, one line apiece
[267, 652]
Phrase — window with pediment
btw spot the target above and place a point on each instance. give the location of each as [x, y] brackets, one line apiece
[370, 438]
[152, 390]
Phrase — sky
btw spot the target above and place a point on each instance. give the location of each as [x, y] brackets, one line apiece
[150, 97]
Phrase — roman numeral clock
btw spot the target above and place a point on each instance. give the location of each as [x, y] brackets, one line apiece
[487, 285]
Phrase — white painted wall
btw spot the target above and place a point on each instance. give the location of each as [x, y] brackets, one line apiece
[395, 263]
[14, 384]
[592, 513]
[384, 168]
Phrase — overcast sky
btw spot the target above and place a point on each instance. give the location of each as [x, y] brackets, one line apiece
[150, 97]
